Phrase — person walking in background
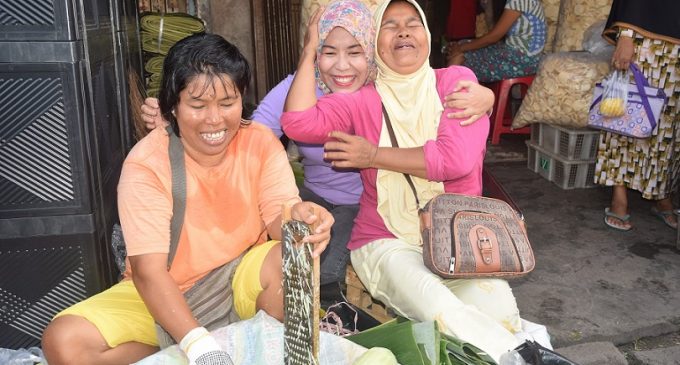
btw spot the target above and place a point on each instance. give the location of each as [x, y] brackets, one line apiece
[512, 48]
[646, 33]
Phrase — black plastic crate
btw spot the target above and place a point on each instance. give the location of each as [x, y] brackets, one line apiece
[51, 20]
[61, 145]
[42, 155]
[41, 275]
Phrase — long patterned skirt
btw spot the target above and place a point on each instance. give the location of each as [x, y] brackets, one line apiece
[650, 166]
[500, 61]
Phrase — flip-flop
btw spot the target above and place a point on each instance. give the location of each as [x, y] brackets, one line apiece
[624, 219]
[663, 215]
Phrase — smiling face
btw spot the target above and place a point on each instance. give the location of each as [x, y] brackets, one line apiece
[209, 116]
[342, 63]
[402, 39]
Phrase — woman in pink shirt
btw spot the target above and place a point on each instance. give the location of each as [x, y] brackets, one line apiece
[438, 152]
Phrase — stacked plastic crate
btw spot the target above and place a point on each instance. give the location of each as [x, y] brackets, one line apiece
[562, 155]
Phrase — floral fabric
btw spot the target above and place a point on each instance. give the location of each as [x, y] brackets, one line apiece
[500, 61]
[356, 18]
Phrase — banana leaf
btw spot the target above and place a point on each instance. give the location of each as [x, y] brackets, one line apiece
[421, 343]
[399, 336]
[455, 352]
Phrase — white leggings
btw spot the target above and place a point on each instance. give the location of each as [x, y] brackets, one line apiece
[482, 312]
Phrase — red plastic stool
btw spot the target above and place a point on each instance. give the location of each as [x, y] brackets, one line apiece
[501, 119]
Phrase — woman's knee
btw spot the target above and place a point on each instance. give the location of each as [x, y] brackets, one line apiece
[70, 340]
[270, 299]
[493, 297]
[271, 272]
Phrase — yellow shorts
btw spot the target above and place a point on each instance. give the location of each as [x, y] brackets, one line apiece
[246, 283]
[121, 316]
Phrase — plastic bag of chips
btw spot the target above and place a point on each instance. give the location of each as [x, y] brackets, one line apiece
[575, 17]
[551, 10]
[562, 91]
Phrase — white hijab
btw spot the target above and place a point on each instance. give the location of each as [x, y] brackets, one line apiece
[414, 107]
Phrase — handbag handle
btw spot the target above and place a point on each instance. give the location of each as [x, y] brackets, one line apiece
[393, 140]
[641, 82]
[179, 191]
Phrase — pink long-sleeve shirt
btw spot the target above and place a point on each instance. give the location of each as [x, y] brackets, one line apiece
[454, 158]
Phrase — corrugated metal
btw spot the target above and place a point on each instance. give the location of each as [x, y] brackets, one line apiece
[38, 12]
[276, 41]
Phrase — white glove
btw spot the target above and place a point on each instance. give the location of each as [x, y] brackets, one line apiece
[202, 349]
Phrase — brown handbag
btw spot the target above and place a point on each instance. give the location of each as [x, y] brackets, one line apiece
[470, 236]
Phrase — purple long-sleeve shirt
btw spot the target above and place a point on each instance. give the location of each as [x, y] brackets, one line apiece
[454, 158]
[336, 187]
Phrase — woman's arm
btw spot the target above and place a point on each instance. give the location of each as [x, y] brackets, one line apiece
[277, 187]
[302, 95]
[151, 114]
[161, 294]
[623, 54]
[145, 211]
[500, 29]
[349, 151]
[168, 307]
[458, 150]
[473, 100]
[306, 119]
[455, 152]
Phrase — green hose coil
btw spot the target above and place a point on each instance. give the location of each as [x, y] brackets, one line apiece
[159, 33]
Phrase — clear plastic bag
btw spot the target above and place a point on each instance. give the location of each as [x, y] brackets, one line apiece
[593, 41]
[30, 356]
[615, 94]
[512, 358]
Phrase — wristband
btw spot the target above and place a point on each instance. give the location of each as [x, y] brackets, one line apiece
[627, 33]
[199, 342]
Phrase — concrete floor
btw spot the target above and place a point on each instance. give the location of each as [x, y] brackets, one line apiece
[592, 284]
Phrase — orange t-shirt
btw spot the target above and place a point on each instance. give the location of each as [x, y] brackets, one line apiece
[227, 207]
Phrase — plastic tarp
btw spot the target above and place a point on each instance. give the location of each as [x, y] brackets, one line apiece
[259, 340]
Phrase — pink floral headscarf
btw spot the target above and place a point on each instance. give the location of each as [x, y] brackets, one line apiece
[353, 16]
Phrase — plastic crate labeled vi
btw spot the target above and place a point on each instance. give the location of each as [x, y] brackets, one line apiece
[564, 173]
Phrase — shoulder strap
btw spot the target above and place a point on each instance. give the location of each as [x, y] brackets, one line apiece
[179, 191]
[641, 82]
[393, 140]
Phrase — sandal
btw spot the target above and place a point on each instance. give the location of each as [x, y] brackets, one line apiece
[664, 215]
[625, 220]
